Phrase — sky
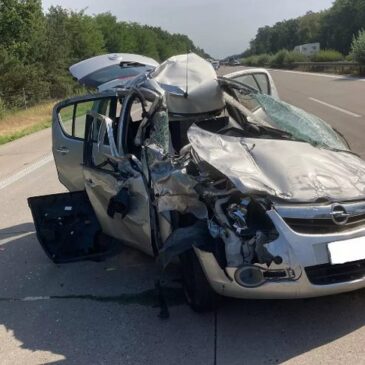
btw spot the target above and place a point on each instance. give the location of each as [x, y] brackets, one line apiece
[220, 27]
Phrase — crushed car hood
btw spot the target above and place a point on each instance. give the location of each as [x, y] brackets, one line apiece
[289, 170]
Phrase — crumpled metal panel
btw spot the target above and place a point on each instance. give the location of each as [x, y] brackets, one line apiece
[173, 187]
[135, 227]
[289, 170]
[190, 83]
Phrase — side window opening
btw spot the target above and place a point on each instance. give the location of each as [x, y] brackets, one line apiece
[97, 156]
[66, 118]
[249, 81]
[263, 82]
[110, 108]
[73, 119]
[79, 121]
[257, 81]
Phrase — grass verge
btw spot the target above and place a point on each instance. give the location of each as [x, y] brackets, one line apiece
[20, 123]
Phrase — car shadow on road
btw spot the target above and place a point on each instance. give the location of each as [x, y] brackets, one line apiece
[107, 312]
[93, 312]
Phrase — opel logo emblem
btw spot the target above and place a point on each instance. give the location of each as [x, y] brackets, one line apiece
[339, 215]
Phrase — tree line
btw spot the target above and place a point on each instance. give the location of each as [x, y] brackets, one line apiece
[334, 28]
[36, 48]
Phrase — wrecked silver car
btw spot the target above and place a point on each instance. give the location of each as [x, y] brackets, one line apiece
[257, 198]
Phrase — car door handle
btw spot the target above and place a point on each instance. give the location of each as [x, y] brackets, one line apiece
[63, 150]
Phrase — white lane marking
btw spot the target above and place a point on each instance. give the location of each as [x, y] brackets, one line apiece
[8, 237]
[28, 170]
[34, 299]
[336, 108]
[319, 74]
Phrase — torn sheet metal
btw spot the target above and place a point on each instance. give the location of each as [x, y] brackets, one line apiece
[173, 187]
[289, 170]
[190, 83]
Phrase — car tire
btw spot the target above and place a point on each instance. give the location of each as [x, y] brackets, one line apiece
[198, 292]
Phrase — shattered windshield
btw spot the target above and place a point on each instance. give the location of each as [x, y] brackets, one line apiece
[295, 121]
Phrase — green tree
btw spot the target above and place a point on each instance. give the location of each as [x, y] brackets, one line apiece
[340, 23]
[333, 28]
[36, 49]
[358, 47]
[310, 27]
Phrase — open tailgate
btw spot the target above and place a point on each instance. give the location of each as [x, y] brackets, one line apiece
[99, 70]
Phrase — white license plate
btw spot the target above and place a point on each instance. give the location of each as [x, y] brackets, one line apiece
[347, 251]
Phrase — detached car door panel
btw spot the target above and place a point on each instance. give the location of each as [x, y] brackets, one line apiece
[67, 227]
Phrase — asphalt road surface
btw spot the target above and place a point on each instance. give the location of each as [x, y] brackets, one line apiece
[106, 312]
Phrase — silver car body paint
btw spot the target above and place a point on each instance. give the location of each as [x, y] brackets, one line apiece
[190, 83]
[134, 228]
[289, 170]
[173, 187]
[254, 71]
[299, 251]
[102, 65]
[300, 180]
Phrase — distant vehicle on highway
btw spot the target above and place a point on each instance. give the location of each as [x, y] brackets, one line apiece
[234, 62]
[257, 198]
[215, 64]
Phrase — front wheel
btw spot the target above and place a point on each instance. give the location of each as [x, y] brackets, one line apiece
[198, 292]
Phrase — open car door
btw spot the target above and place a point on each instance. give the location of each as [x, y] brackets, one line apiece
[258, 79]
[115, 206]
[68, 133]
[109, 70]
[115, 182]
[66, 224]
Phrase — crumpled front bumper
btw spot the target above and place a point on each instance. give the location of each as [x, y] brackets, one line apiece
[298, 251]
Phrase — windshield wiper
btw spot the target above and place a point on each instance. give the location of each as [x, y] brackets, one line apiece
[312, 142]
[281, 133]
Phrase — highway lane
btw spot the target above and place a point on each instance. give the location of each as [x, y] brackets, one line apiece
[103, 312]
[323, 95]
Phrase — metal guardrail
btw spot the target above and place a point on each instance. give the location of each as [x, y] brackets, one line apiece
[340, 67]
[335, 63]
